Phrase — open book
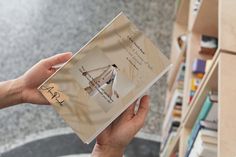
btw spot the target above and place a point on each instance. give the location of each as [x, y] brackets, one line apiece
[104, 77]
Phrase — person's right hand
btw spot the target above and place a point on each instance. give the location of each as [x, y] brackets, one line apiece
[113, 140]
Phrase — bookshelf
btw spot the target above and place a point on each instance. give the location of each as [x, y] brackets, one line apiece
[214, 18]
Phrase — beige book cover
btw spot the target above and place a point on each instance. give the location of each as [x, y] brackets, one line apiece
[104, 77]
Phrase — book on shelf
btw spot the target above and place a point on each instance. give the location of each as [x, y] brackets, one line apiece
[198, 71]
[208, 45]
[199, 66]
[104, 77]
[176, 100]
[172, 126]
[165, 148]
[208, 136]
[176, 112]
[182, 42]
[206, 121]
[178, 106]
[209, 125]
[172, 118]
[177, 85]
[205, 144]
[179, 81]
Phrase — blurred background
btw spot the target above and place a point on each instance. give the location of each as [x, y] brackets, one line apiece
[31, 30]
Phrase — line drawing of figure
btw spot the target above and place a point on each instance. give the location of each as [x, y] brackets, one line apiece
[107, 78]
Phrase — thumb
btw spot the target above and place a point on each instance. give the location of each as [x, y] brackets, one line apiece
[57, 59]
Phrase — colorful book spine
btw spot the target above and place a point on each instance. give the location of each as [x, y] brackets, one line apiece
[193, 138]
[199, 66]
[202, 115]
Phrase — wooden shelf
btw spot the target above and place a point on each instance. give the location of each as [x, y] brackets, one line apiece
[214, 18]
[206, 20]
[173, 145]
[192, 53]
[178, 31]
[209, 82]
[174, 71]
[227, 25]
[183, 141]
[182, 12]
[176, 57]
[227, 108]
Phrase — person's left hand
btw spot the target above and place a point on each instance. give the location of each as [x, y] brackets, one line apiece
[35, 76]
[113, 140]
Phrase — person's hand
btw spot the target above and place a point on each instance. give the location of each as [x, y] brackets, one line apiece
[113, 140]
[35, 76]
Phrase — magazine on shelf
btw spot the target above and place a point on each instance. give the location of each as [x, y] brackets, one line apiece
[104, 77]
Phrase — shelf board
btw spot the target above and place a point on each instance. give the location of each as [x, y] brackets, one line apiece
[183, 141]
[227, 108]
[182, 12]
[206, 20]
[208, 83]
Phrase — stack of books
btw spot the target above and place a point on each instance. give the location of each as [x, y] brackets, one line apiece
[173, 118]
[208, 45]
[198, 70]
[200, 67]
[174, 109]
[203, 138]
[178, 85]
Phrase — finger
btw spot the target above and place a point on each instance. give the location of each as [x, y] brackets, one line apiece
[126, 115]
[129, 112]
[58, 59]
[142, 111]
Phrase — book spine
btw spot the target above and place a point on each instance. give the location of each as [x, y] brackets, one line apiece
[203, 113]
[193, 138]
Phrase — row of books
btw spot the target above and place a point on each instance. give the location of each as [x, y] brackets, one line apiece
[165, 150]
[178, 85]
[202, 141]
[172, 118]
[200, 67]
[198, 71]
[173, 112]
